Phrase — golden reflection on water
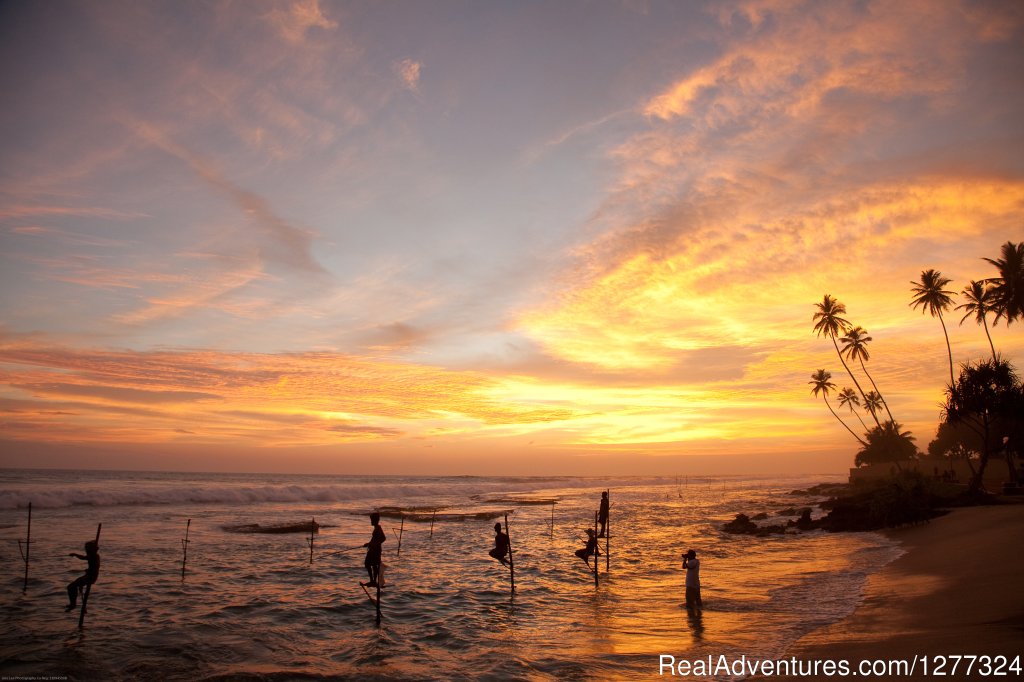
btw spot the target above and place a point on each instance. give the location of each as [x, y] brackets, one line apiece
[254, 602]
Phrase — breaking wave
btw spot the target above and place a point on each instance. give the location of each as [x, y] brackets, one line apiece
[149, 490]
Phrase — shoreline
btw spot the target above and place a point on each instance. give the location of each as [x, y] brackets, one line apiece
[957, 590]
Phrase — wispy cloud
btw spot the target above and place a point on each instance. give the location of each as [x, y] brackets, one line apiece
[408, 70]
[295, 18]
[277, 240]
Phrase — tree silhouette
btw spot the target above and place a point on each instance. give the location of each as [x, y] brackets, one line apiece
[821, 383]
[929, 294]
[872, 404]
[980, 300]
[886, 444]
[828, 322]
[1008, 287]
[855, 346]
[988, 399]
[848, 398]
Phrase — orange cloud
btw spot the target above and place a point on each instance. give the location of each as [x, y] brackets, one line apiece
[303, 398]
[745, 279]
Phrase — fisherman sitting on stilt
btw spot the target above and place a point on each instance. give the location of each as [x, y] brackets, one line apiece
[500, 550]
[591, 550]
[92, 573]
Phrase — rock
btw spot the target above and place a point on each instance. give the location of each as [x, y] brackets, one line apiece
[742, 525]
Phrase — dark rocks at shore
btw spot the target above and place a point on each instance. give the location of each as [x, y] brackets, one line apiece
[905, 499]
[742, 525]
[824, 490]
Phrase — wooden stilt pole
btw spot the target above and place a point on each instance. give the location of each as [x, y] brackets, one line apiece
[88, 586]
[607, 530]
[312, 525]
[552, 532]
[401, 528]
[595, 553]
[511, 564]
[380, 580]
[432, 517]
[28, 542]
[184, 549]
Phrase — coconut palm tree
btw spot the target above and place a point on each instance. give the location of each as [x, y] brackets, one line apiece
[855, 346]
[872, 404]
[827, 321]
[929, 294]
[980, 300]
[1009, 285]
[821, 383]
[848, 398]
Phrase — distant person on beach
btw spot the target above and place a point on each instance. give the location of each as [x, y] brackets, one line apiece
[590, 550]
[602, 514]
[500, 545]
[372, 562]
[692, 565]
[92, 572]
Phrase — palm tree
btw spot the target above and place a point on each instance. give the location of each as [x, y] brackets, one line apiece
[821, 383]
[1009, 285]
[848, 398]
[934, 299]
[855, 346]
[887, 444]
[980, 300]
[829, 323]
[872, 404]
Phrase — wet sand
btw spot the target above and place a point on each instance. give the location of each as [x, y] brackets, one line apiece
[957, 590]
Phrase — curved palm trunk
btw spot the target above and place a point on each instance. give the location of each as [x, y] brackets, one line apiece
[949, 350]
[882, 397]
[859, 418]
[990, 344]
[841, 420]
[855, 382]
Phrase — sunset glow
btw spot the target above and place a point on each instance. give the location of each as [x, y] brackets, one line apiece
[294, 235]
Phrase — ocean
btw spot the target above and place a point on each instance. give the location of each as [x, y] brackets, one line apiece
[252, 606]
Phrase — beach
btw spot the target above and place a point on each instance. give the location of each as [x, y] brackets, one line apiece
[956, 591]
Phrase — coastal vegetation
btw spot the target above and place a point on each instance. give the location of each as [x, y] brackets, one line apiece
[981, 417]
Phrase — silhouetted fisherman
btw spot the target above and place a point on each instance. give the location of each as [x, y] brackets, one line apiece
[500, 550]
[372, 562]
[591, 550]
[92, 572]
[602, 514]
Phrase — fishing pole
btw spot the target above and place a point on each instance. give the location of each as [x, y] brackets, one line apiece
[340, 551]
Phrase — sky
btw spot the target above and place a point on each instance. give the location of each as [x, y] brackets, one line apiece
[574, 237]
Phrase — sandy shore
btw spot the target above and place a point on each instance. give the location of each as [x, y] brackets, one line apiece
[959, 589]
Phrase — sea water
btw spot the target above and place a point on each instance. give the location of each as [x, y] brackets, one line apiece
[253, 606]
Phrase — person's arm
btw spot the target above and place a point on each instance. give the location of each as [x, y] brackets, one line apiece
[79, 556]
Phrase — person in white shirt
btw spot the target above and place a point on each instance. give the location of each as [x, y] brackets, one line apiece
[692, 565]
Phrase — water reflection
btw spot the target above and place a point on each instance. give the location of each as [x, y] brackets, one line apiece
[696, 622]
[256, 603]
